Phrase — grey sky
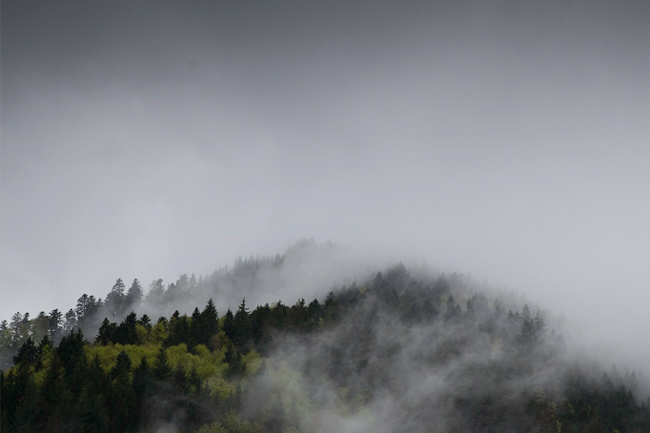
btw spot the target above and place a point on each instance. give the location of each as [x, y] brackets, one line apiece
[509, 139]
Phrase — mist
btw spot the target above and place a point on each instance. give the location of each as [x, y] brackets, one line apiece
[399, 359]
[506, 140]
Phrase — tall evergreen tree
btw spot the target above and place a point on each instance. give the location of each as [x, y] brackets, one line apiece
[125, 332]
[133, 298]
[86, 309]
[229, 325]
[196, 327]
[27, 354]
[179, 382]
[242, 326]
[179, 330]
[106, 333]
[91, 414]
[27, 415]
[210, 324]
[116, 299]
[141, 381]
[122, 367]
[121, 397]
[71, 350]
[70, 322]
[161, 367]
[56, 397]
[156, 291]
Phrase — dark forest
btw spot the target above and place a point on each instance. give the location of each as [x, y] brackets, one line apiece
[399, 351]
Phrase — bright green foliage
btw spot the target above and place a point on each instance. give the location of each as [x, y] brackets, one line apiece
[108, 354]
[159, 332]
[207, 374]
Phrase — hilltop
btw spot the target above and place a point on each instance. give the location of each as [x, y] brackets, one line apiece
[393, 350]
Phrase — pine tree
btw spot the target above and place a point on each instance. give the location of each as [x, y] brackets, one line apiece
[70, 322]
[233, 358]
[115, 300]
[96, 378]
[134, 295]
[242, 326]
[141, 381]
[71, 350]
[210, 324]
[56, 396]
[125, 332]
[161, 368]
[179, 330]
[27, 415]
[196, 327]
[179, 381]
[121, 397]
[86, 309]
[122, 366]
[156, 291]
[260, 322]
[91, 414]
[145, 321]
[27, 354]
[106, 333]
[229, 325]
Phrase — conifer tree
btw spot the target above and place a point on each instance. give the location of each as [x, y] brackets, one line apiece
[27, 354]
[161, 368]
[141, 381]
[91, 414]
[70, 322]
[179, 381]
[71, 350]
[125, 332]
[27, 416]
[134, 295]
[121, 397]
[86, 309]
[56, 396]
[210, 324]
[196, 327]
[106, 333]
[242, 326]
[229, 325]
[115, 300]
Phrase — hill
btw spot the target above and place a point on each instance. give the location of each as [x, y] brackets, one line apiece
[398, 350]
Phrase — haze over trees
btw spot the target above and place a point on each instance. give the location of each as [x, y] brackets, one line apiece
[397, 350]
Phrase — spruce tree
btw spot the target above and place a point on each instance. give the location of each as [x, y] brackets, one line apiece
[161, 368]
[121, 397]
[210, 324]
[242, 326]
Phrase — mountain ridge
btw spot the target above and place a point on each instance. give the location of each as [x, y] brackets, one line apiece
[397, 350]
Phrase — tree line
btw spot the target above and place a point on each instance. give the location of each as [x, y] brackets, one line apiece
[204, 372]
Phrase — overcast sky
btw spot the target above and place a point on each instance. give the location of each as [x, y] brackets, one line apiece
[508, 139]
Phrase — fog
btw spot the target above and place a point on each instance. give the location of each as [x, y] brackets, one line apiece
[398, 359]
[504, 139]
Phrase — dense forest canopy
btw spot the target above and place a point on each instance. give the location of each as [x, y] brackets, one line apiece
[395, 350]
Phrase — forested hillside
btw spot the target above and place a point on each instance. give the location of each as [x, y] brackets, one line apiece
[304, 267]
[400, 351]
